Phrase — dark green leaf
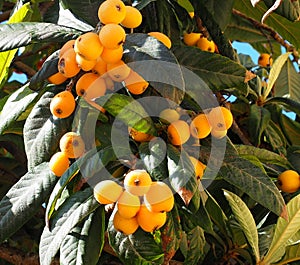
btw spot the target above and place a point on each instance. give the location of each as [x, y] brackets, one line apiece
[293, 155]
[287, 103]
[275, 137]
[16, 104]
[73, 211]
[258, 121]
[139, 248]
[24, 199]
[25, 33]
[181, 173]
[42, 131]
[287, 9]
[84, 243]
[291, 129]
[153, 154]
[129, 111]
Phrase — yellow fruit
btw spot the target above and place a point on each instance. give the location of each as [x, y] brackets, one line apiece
[112, 55]
[162, 38]
[90, 86]
[265, 60]
[289, 181]
[128, 204]
[205, 45]
[100, 67]
[190, 39]
[84, 64]
[107, 191]
[139, 136]
[111, 11]
[198, 167]
[178, 132]
[59, 163]
[133, 18]
[119, 71]
[67, 64]
[200, 126]
[57, 78]
[127, 226]
[150, 221]
[69, 44]
[159, 197]
[135, 83]
[218, 134]
[62, 104]
[220, 118]
[72, 144]
[112, 36]
[88, 46]
[137, 182]
[169, 115]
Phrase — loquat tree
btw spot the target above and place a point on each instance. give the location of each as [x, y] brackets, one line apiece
[133, 132]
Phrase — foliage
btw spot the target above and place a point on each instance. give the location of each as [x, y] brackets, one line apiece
[236, 214]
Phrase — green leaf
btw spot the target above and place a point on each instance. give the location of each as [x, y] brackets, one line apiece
[287, 103]
[42, 132]
[287, 83]
[291, 129]
[253, 181]
[287, 9]
[293, 155]
[181, 173]
[139, 248]
[129, 111]
[156, 64]
[275, 137]
[284, 231]
[153, 154]
[16, 104]
[7, 57]
[265, 156]
[75, 209]
[217, 71]
[21, 34]
[246, 221]
[258, 121]
[275, 72]
[24, 199]
[292, 254]
[84, 243]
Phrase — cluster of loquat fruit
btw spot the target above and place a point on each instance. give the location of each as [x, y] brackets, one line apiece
[140, 203]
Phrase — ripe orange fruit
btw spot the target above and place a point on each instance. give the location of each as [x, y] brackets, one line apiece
[59, 163]
[100, 67]
[190, 39]
[150, 221]
[178, 132]
[200, 126]
[88, 46]
[72, 144]
[111, 11]
[162, 38]
[159, 197]
[90, 86]
[112, 36]
[133, 18]
[135, 83]
[107, 191]
[205, 44]
[128, 204]
[118, 71]
[169, 115]
[62, 104]
[112, 55]
[57, 78]
[218, 134]
[84, 64]
[220, 118]
[69, 44]
[139, 136]
[265, 60]
[289, 181]
[127, 226]
[67, 64]
[199, 167]
[137, 182]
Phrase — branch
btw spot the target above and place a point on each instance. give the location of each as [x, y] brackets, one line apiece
[5, 15]
[30, 72]
[272, 33]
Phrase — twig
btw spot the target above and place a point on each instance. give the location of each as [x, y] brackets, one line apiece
[5, 15]
[272, 33]
[30, 72]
